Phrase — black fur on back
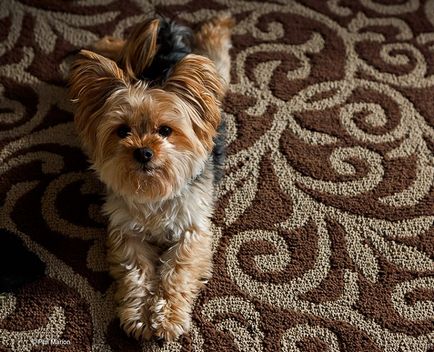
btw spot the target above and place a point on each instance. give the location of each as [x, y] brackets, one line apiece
[174, 43]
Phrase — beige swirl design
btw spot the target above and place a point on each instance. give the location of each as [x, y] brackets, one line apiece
[329, 175]
[300, 332]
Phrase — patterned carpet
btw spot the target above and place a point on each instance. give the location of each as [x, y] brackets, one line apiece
[324, 221]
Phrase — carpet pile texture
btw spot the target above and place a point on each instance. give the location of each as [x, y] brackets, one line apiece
[324, 220]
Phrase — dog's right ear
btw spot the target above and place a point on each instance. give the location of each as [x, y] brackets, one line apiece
[92, 80]
[140, 48]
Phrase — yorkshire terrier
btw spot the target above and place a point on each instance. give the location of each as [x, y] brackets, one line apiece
[148, 115]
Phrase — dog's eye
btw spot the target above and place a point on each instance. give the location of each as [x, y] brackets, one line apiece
[123, 131]
[164, 131]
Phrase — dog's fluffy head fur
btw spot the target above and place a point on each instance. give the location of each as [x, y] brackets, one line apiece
[145, 141]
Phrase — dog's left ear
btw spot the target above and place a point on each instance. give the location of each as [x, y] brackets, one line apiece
[196, 80]
[93, 78]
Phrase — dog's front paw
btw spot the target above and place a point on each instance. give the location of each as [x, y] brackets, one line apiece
[137, 329]
[169, 319]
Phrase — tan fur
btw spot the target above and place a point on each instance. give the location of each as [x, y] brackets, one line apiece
[196, 80]
[214, 41]
[140, 48]
[135, 54]
[93, 79]
[109, 47]
[159, 243]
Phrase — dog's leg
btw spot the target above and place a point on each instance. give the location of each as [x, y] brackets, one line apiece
[132, 264]
[109, 47]
[184, 271]
[214, 41]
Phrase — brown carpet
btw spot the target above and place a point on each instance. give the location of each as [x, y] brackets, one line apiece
[324, 223]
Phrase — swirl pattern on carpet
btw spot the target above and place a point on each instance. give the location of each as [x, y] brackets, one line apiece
[324, 236]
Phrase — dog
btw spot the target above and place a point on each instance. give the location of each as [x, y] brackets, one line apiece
[147, 110]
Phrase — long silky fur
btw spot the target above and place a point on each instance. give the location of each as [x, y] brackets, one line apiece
[159, 241]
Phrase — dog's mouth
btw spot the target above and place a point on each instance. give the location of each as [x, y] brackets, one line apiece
[148, 169]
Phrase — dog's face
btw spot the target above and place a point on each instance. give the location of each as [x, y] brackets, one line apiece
[146, 143]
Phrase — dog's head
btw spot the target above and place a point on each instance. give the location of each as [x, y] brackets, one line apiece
[146, 142]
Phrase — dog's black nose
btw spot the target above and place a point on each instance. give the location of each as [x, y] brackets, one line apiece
[143, 155]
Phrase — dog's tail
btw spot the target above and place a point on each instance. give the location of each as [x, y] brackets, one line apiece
[153, 48]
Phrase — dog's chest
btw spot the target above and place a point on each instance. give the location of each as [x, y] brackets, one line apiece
[162, 222]
[168, 221]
